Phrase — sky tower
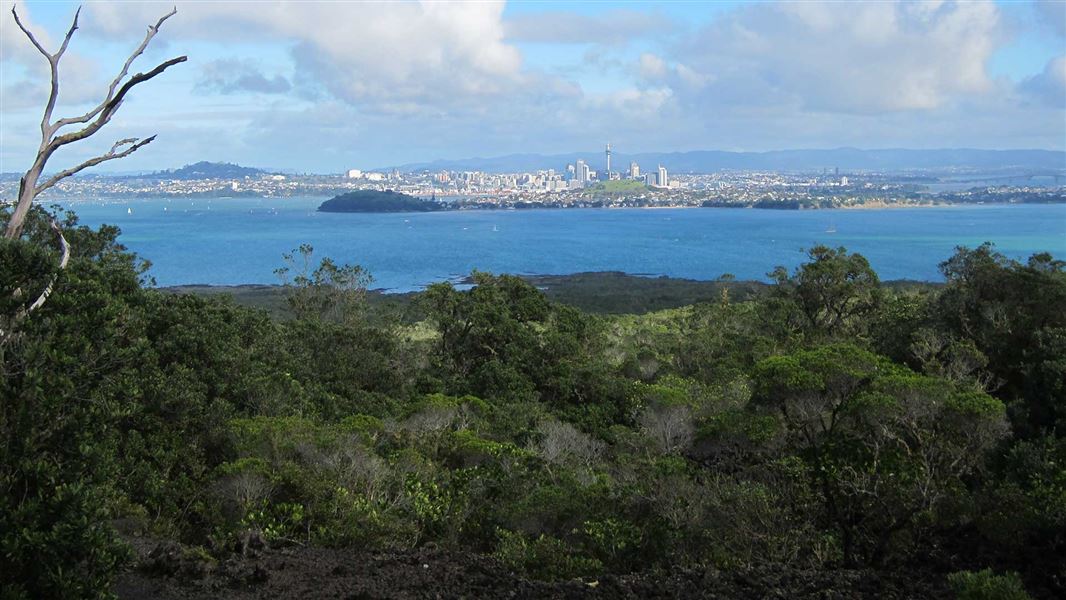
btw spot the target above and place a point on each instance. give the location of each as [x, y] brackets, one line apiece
[608, 160]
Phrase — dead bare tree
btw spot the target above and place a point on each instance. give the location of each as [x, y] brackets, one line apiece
[52, 139]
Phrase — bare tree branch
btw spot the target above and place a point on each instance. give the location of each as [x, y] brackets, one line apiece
[152, 30]
[22, 313]
[96, 118]
[50, 142]
[111, 106]
[64, 249]
[70, 34]
[53, 67]
[109, 155]
[29, 34]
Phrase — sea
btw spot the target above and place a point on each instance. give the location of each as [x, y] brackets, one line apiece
[233, 241]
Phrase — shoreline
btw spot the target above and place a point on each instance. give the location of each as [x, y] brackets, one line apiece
[598, 292]
[540, 278]
[868, 205]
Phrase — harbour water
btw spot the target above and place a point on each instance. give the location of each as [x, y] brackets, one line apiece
[241, 240]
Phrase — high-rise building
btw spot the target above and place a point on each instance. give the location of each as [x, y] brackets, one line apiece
[662, 180]
[581, 172]
[354, 173]
[634, 170]
[608, 160]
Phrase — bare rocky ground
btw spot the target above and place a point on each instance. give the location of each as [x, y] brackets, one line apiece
[166, 571]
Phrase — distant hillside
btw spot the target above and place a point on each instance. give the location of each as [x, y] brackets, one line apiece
[209, 170]
[708, 161]
[362, 201]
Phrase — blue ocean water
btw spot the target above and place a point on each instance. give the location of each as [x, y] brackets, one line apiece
[241, 240]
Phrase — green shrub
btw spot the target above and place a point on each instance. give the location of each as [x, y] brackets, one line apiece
[543, 557]
[986, 585]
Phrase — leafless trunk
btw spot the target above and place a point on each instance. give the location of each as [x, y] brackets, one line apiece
[30, 186]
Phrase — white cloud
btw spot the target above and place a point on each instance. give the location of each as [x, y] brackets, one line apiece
[319, 85]
[1049, 86]
[863, 57]
[233, 75]
[652, 67]
[26, 71]
[610, 27]
[390, 56]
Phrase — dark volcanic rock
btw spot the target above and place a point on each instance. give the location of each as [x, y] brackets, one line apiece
[299, 572]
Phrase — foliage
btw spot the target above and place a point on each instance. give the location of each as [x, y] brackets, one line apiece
[58, 420]
[885, 446]
[329, 292]
[835, 291]
[825, 421]
[543, 557]
[378, 201]
[986, 585]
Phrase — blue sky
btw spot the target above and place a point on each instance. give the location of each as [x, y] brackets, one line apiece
[326, 86]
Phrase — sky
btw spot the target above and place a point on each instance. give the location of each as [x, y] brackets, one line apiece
[328, 86]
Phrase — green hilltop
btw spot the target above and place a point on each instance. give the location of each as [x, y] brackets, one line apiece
[375, 201]
[619, 186]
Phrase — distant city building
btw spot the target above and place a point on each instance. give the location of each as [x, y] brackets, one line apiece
[354, 173]
[662, 180]
[634, 170]
[582, 172]
[375, 176]
[608, 151]
[844, 180]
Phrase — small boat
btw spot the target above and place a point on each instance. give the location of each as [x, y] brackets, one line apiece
[129, 211]
[831, 229]
[494, 228]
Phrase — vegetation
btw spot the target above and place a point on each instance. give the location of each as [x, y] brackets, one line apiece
[377, 201]
[208, 170]
[822, 422]
[619, 186]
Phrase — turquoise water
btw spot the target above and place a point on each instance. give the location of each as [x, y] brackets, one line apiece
[234, 241]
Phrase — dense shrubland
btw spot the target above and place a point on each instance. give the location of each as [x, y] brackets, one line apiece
[826, 422]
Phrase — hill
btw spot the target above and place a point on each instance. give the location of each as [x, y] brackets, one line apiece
[208, 170]
[374, 201]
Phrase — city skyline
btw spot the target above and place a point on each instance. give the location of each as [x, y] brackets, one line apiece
[324, 87]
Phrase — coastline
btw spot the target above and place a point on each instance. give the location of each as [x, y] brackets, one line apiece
[451, 207]
[599, 292]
